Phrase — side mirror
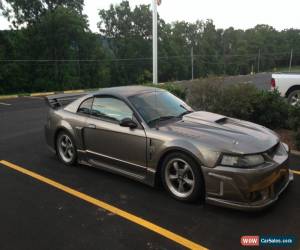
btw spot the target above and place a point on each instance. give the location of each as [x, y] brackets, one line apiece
[129, 123]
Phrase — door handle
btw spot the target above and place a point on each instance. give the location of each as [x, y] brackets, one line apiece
[93, 126]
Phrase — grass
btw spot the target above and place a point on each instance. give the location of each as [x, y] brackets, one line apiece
[295, 68]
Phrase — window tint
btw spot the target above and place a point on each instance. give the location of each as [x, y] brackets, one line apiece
[111, 108]
[86, 106]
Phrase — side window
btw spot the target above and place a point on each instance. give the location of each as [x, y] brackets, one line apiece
[111, 108]
[85, 107]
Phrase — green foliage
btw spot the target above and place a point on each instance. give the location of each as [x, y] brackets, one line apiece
[270, 110]
[21, 12]
[294, 117]
[175, 89]
[242, 101]
[59, 40]
[63, 53]
[128, 34]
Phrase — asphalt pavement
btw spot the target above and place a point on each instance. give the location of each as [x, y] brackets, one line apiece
[37, 216]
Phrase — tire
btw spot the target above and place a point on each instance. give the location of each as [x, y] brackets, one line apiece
[294, 97]
[66, 148]
[182, 178]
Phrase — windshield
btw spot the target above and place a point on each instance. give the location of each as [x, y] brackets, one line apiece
[159, 105]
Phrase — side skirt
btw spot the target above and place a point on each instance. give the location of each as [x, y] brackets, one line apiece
[148, 179]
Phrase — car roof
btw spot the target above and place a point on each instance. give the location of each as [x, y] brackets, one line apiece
[127, 91]
[122, 92]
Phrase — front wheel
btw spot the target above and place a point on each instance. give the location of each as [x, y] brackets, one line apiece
[66, 149]
[182, 178]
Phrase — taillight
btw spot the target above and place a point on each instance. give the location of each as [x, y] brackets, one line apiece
[273, 83]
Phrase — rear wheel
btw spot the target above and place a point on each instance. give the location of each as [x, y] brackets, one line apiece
[294, 97]
[66, 149]
[182, 177]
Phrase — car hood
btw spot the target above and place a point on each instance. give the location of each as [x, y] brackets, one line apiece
[223, 134]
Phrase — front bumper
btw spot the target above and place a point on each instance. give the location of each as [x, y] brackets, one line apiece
[247, 189]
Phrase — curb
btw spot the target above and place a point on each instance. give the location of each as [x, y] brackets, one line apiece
[295, 152]
[3, 97]
[8, 97]
[42, 94]
[74, 91]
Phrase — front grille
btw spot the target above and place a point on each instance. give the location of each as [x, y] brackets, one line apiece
[269, 191]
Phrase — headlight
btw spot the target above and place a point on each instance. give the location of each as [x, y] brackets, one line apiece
[242, 161]
[285, 148]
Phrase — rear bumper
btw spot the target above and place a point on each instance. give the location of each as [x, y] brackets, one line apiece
[49, 136]
[247, 189]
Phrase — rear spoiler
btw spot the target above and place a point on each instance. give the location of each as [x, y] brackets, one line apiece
[59, 100]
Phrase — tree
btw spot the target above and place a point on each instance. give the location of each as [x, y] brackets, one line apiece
[23, 12]
[128, 33]
[55, 41]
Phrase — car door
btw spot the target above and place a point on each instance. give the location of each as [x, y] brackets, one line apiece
[111, 146]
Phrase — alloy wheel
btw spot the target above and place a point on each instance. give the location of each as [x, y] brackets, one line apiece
[179, 177]
[65, 148]
[295, 99]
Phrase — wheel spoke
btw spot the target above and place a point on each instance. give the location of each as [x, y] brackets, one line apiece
[180, 187]
[173, 177]
[175, 165]
[185, 168]
[65, 150]
[70, 152]
[294, 98]
[188, 181]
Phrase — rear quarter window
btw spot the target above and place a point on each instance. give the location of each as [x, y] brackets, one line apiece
[85, 106]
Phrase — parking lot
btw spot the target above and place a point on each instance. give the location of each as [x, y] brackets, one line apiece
[85, 208]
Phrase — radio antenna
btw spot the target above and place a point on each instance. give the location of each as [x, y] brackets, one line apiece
[156, 107]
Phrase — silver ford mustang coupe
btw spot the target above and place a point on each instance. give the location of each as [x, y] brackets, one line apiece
[151, 136]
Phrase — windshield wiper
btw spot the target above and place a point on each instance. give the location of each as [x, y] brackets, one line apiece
[162, 118]
[187, 111]
[184, 113]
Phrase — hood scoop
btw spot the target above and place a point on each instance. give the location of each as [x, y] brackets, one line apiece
[205, 117]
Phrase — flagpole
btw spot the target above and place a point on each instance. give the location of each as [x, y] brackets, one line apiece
[154, 38]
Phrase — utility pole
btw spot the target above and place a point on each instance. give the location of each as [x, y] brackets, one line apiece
[291, 61]
[154, 38]
[192, 58]
[258, 63]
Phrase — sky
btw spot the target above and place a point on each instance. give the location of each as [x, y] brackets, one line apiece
[230, 13]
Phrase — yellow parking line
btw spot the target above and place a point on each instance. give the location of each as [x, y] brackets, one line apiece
[73, 91]
[42, 94]
[8, 97]
[128, 216]
[296, 172]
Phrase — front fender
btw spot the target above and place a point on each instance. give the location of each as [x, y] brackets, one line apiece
[202, 155]
[180, 145]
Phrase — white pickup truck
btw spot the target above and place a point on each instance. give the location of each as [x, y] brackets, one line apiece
[288, 84]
